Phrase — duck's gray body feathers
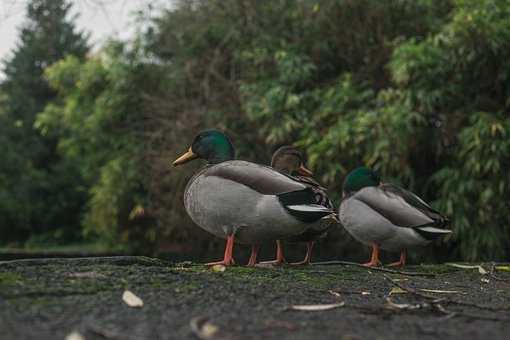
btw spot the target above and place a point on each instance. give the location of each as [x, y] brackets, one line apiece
[246, 199]
[391, 217]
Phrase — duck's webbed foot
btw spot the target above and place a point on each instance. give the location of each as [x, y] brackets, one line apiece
[308, 256]
[374, 259]
[222, 262]
[253, 257]
[401, 262]
[280, 259]
[228, 260]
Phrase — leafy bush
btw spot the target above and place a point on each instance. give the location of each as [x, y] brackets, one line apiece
[438, 125]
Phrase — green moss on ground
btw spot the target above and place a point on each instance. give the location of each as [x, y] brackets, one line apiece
[10, 279]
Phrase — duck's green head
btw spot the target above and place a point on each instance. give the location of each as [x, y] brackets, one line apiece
[360, 178]
[289, 160]
[211, 145]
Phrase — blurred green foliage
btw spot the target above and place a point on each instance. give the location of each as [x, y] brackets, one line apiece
[418, 90]
[438, 124]
[101, 126]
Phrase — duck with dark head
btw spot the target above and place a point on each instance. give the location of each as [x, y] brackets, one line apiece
[242, 201]
[289, 160]
[385, 216]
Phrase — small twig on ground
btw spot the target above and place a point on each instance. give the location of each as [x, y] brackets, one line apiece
[348, 292]
[437, 300]
[392, 271]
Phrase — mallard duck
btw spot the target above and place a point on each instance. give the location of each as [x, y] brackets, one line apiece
[244, 202]
[289, 160]
[386, 216]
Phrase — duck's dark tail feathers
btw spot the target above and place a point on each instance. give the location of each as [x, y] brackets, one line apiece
[301, 204]
[434, 230]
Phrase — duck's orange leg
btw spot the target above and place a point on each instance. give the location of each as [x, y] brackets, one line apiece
[308, 256]
[280, 259]
[374, 258]
[228, 260]
[253, 257]
[402, 261]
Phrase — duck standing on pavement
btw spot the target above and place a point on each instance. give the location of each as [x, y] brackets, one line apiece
[242, 201]
[386, 216]
[289, 160]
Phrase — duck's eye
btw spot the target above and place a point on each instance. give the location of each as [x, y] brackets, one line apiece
[199, 138]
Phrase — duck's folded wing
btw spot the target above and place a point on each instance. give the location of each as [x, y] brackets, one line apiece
[297, 198]
[258, 177]
[404, 209]
[413, 201]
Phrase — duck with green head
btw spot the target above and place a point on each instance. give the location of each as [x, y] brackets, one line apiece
[242, 201]
[289, 160]
[386, 216]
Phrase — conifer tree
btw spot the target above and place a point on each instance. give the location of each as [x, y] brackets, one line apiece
[33, 178]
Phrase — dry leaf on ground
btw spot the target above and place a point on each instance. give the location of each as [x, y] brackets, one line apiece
[131, 299]
[397, 290]
[218, 268]
[74, 336]
[332, 292]
[203, 329]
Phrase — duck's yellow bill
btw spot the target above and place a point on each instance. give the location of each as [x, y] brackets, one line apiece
[188, 156]
[304, 171]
